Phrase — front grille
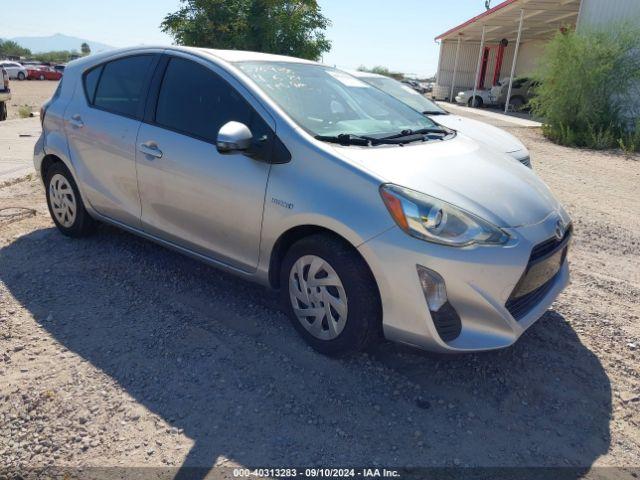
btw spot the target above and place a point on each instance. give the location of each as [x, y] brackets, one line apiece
[548, 246]
[520, 306]
[522, 299]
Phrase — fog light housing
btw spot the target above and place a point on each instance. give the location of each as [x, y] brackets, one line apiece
[445, 318]
[433, 287]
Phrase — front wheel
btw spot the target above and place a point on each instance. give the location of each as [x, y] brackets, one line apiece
[65, 204]
[477, 103]
[21, 76]
[3, 111]
[330, 295]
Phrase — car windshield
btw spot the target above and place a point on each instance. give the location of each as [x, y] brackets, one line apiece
[405, 94]
[328, 102]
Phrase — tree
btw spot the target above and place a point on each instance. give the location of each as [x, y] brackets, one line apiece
[11, 48]
[587, 84]
[85, 49]
[380, 70]
[286, 27]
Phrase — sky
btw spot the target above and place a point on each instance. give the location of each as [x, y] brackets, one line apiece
[398, 34]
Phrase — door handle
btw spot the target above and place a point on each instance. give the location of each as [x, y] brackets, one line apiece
[151, 149]
[76, 121]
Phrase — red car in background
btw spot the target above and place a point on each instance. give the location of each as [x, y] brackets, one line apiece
[42, 72]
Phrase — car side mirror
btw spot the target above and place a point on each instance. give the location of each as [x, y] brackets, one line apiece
[234, 137]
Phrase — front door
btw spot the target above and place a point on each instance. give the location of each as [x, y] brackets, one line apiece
[191, 194]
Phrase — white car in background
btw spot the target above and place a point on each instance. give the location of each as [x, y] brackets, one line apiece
[15, 69]
[481, 132]
[483, 97]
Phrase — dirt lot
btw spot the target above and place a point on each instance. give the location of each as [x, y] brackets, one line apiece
[115, 351]
[30, 93]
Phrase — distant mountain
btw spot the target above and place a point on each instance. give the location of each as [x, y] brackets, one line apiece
[59, 41]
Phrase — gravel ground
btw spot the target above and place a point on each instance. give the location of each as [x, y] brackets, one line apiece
[117, 352]
[30, 93]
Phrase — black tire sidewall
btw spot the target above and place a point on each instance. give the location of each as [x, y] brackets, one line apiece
[83, 223]
[364, 317]
[477, 101]
[3, 111]
[21, 76]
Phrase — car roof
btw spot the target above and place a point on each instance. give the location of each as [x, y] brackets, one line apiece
[230, 56]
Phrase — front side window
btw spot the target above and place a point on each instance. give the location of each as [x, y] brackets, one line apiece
[121, 86]
[327, 102]
[196, 101]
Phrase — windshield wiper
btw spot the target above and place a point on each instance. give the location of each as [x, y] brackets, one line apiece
[417, 133]
[405, 136]
[434, 112]
[353, 139]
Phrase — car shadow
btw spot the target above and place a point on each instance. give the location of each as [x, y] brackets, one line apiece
[213, 355]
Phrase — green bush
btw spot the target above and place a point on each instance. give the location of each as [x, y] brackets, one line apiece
[584, 95]
[24, 111]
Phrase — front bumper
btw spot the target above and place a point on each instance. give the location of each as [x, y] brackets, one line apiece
[479, 281]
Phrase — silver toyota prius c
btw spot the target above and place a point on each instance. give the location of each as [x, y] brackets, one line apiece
[372, 220]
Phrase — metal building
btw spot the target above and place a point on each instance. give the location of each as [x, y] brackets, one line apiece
[507, 40]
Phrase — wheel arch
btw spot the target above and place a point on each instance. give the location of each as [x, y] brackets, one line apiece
[294, 234]
[47, 162]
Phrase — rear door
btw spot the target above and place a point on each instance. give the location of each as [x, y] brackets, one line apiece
[191, 194]
[102, 123]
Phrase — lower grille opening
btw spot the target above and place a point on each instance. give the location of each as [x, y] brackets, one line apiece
[545, 263]
[518, 307]
[447, 322]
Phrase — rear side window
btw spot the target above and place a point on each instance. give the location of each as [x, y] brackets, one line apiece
[195, 101]
[91, 82]
[121, 86]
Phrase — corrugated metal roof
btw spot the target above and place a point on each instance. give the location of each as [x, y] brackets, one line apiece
[542, 18]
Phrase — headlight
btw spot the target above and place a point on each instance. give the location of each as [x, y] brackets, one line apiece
[433, 220]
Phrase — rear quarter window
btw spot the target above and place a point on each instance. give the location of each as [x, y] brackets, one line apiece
[91, 82]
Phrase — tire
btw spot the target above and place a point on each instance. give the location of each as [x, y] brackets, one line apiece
[3, 111]
[62, 194]
[41, 77]
[361, 327]
[21, 76]
[478, 102]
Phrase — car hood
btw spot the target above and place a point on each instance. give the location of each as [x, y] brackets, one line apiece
[484, 133]
[464, 173]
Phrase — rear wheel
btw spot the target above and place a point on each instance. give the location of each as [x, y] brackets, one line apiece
[41, 77]
[21, 76]
[330, 295]
[65, 204]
